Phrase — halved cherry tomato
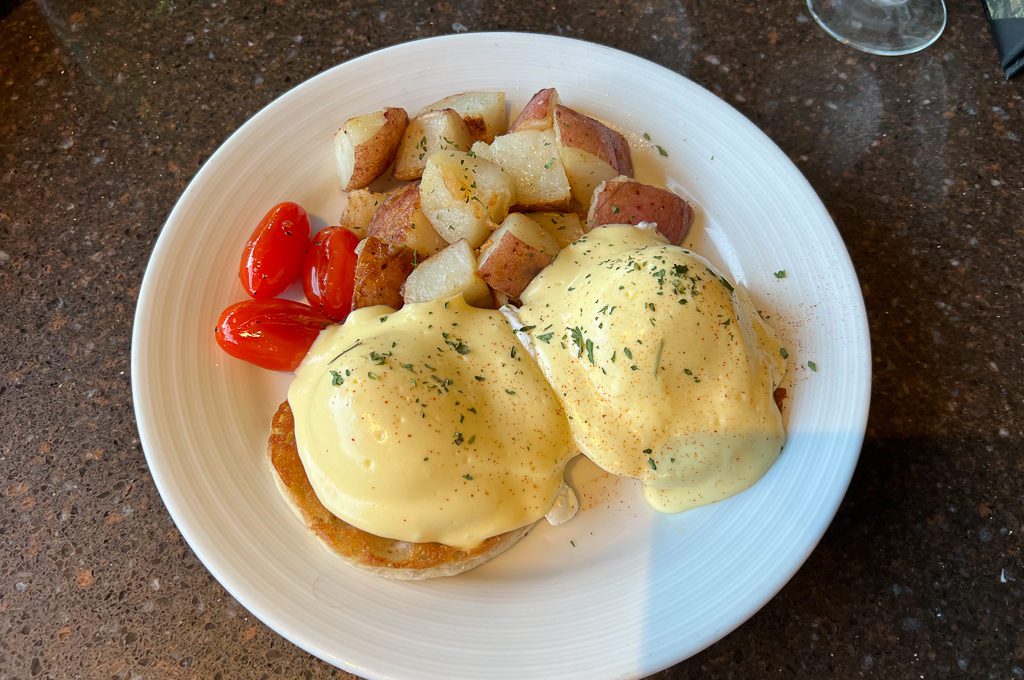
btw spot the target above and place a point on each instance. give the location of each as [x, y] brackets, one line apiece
[330, 270]
[273, 256]
[274, 334]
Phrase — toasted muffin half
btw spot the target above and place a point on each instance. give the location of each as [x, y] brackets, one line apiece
[382, 556]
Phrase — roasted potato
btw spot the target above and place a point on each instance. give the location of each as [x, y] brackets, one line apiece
[538, 112]
[464, 196]
[484, 112]
[625, 201]
[359, 210]
[428, 132]
[365, 146]
[565, 227]
[381, 271]
[450, 272]
[590, 151]
[515, 253]
[531, 159]
[399, 221]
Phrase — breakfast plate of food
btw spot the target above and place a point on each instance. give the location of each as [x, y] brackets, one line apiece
[500, 355]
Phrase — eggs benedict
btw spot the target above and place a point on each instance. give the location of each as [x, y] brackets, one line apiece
[664, 368]
[429, 425]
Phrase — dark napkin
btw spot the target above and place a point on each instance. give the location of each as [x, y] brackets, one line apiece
[1007, 19]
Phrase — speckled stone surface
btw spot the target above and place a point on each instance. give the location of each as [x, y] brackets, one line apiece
[108, 108]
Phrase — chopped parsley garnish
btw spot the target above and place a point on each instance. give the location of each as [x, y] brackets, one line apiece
[379, 357]
[458, 439]
[547, 166]
[728, 286]
[650, 461]
[546, 337]
[629, 354]
[468, 476]
[657, 359]
[813, 366]
[590, 351]
[661, 150]
[687, 371]
[577, 339]
[479, 377]
[615, 209]
[337, 378]
[508, 391]
[647, 136]
[525, 329]
[372, 376]
[783, 353]
[781, 274]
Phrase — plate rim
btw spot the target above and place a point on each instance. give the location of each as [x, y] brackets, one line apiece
[191, 533]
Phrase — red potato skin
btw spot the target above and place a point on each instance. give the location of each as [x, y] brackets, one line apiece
[512, 265]
[380, 272]
[535, 110]
[391, 221]
[625, 201]
[602, 141]
[370, 162]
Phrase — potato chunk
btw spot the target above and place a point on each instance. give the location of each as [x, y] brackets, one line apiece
[531, 159]
[484, 112]
[626, 201]
[428, 132]
[464, 196]
[381, 271]
[515, 253]
[365, 146]
[565, 227]
[450, 272]
[590, 151]
[399, 221]
[538, 112]
[359, 210]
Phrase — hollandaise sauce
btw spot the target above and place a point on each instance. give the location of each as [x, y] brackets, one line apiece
[430, 423]
[664, 368]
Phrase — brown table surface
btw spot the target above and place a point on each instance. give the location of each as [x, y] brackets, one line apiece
[107, 109]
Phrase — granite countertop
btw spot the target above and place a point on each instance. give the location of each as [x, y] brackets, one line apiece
[107, 109]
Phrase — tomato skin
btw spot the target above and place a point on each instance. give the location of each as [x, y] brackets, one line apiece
[328, 276]
[273, 256]
[274, 334]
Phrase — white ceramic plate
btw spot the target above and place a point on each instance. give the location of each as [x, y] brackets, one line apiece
[618, 592]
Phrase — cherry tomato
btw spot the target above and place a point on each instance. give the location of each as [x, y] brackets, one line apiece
[274, 334]
[273, 256]
[329, 273]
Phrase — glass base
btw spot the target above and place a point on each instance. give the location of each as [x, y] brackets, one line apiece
[885, 27]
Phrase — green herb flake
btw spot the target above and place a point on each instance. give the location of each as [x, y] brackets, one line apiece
[508, 391]
[468, 477]
[661, 150]
[813, 366]
[783, 353]
[372, 376]
[343, 353]
[546, 337]
[725, 282]
[615, 210]
[781, 274]
[479, 377]
[657, 359]
[650, 461]
[458, 439]
[590, 351]
[547, 166]
[337, 378]
[647, 136]
[525, 329]
[627, 352]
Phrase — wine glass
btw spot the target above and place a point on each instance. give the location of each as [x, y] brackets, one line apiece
[886, 27]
